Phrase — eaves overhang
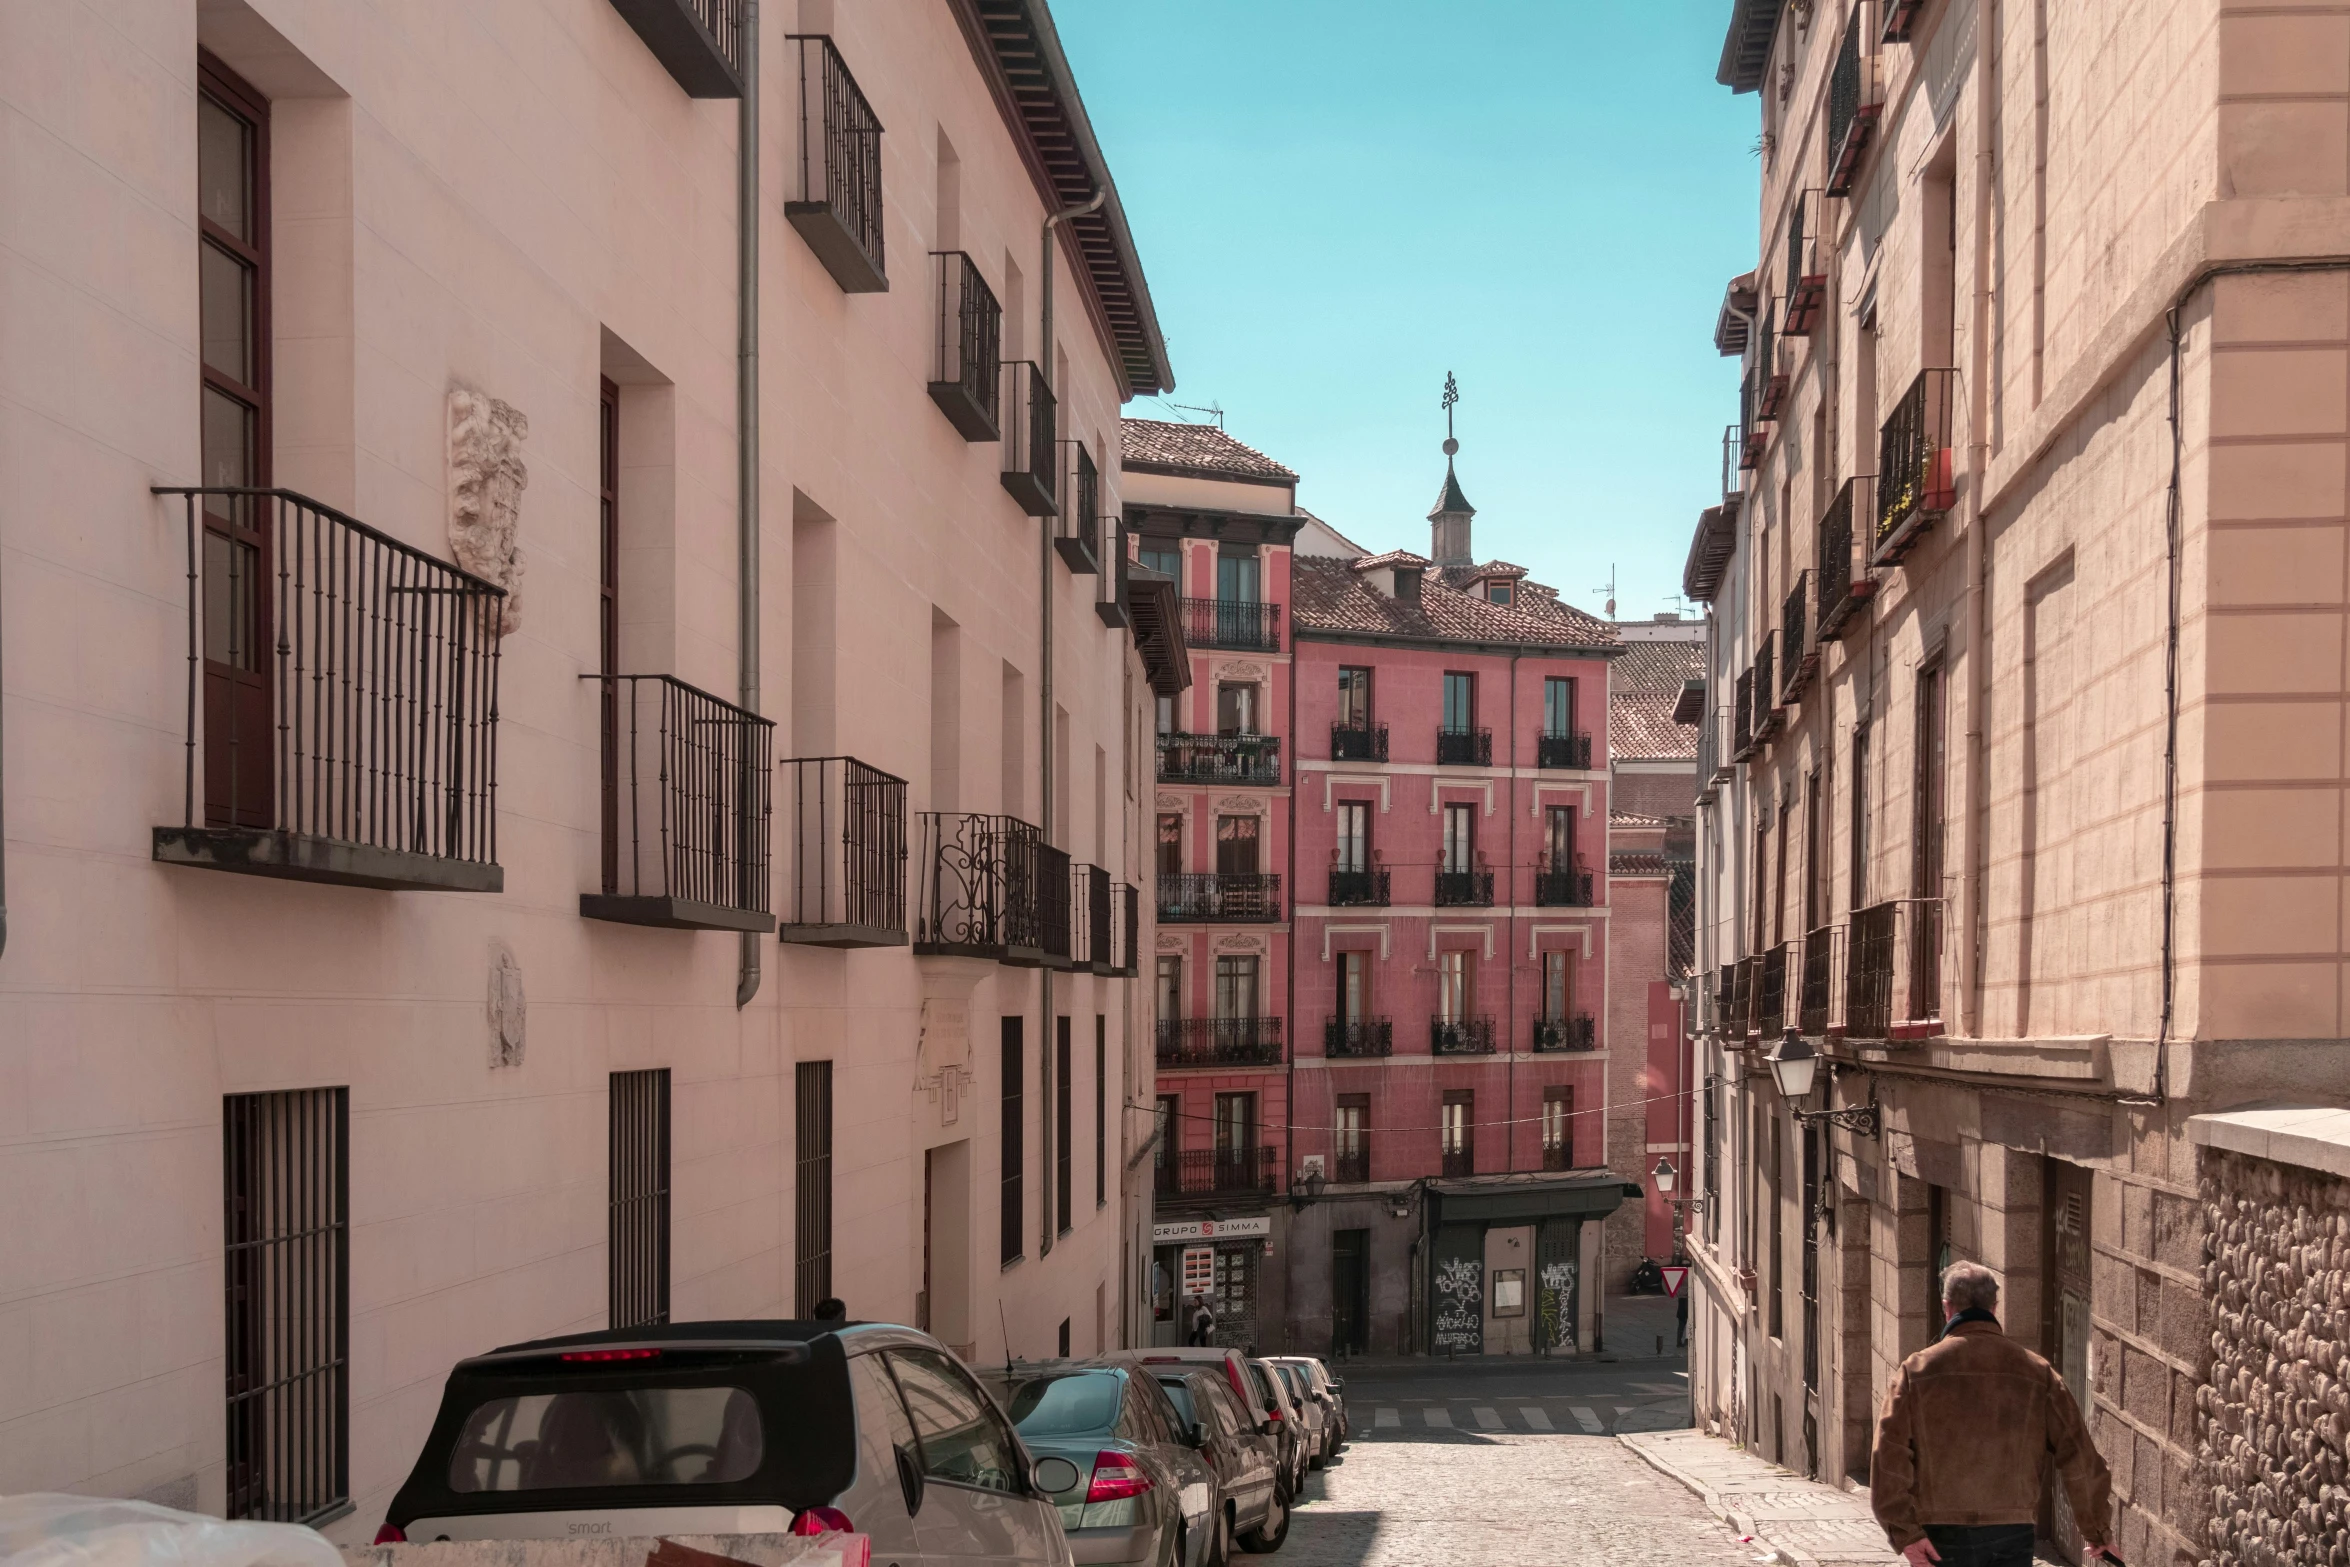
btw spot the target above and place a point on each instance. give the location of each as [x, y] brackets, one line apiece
[1158, 629]
[1303, 632]
[1019, 52]
[1207, 522]
[1746, 49]
[1710, 549]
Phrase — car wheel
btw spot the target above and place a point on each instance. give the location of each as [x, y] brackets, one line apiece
[1269, 1535]
[1220, 1542]
[1178, 1549]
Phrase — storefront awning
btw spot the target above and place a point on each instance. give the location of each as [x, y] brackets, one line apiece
[1540, 1196]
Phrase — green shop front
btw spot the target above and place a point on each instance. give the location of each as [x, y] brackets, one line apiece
[1505, 1259]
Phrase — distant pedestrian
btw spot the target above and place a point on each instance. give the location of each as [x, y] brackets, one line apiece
[1203, 1323]
[1681, 1316]
[1969, 1424]
[831, 1311]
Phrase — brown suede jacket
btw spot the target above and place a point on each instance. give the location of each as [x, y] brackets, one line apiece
[1968, 1428]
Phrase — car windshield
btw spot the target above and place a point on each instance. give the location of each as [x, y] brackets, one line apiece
[1290, 1376]
[608, 1436]
[1067, 1405]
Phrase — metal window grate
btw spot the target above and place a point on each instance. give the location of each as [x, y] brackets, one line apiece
[1101, 1111]
[639, 1225]
[1064, 1129]
[811, 1185]
[1015, 1152]
[286, 1184]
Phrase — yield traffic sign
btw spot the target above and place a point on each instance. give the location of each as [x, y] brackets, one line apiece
[1673, 1278]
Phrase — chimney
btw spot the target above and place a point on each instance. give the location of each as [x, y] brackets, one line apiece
[1407, 585]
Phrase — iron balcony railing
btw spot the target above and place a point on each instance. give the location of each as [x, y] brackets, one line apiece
[839, 207]
[1358, 742]
[967, 376]
[688, 792]
[1213, 897]
[342, 702]
[1868, 992]
[1734, 465]
[1766, 690]
[1770, 993]
[1568, 751]
[1089, 920]
[1580, 1031]
[1457, 1163]
[1125, 931]
[1202, 1172]
[844, 846]
[1725, 993]
[1802, 657]
[1914, 482]
[1895, 986]
[1742, 727]
[1219, 1041]
[1241, 624]
[699, 42]
[1362, 1036]
[1351, 1169]
[1742, 987]
[1841, 594]
[1900, 17]
[1754, 436]
[1054, 911]
[1464, 889]
[1855, 100]
[1807, 265]
[1823, 945]
[1460, 1036]
[1358, 889]
[981, 888]
[1031, 437]
[1563, 889]
[1464, 747]
[1770, 383]
[1221, 759]
[1077, 534]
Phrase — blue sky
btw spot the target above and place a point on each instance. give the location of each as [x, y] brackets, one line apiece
[1337, 203]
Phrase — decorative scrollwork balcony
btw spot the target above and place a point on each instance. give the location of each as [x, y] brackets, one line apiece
[1249, 760]
[1219, 897]
[1219, 1041]
[1358, 889]
[1572, 752]
[1578, 1032]
[1464, 1036]
[1464, 747]
[1245, 625]
[1358, 742]
[1363, 1036]
[987, 889]
[1464, 889]
[1563, 889]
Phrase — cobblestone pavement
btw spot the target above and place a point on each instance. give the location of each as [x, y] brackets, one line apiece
[1503, 1499]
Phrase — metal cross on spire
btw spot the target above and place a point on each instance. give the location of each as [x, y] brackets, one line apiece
[1452, 395]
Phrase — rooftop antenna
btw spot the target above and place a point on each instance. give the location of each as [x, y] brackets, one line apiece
[1007, 1326]
[1610, 590]
[1214, 411]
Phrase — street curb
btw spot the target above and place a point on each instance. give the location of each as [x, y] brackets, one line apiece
[1642, 1444]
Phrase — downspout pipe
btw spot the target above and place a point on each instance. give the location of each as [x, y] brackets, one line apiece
[1978, 662]
[3, 801]
[1048, 1044]
[746, 415]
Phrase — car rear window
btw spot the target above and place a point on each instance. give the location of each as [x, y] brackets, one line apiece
[608, 1436]
[1179, 1394]
[1289, 1375]
[1063, 1406]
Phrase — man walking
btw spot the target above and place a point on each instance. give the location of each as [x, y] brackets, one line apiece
[1968, 1427]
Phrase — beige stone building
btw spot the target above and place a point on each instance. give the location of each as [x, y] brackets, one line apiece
[567, 753]
[2025, 793]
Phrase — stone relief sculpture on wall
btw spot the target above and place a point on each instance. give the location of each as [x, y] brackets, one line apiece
[486, 479]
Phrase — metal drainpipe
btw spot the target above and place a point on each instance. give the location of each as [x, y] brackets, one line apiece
[1977, 554]
[746, 415]
[1044, 728]
[1509, 957]
[3, 807]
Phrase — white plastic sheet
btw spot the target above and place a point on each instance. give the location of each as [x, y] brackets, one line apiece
[44, 1529]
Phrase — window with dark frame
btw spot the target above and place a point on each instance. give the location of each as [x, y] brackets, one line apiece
[1064, 1129]
[1351, 1139]
[1460, 839]
[1558, 838]
[1354, 986]
[1558, 1127]
[1354, 837]
[1558, 706]
[1236, 708]
[1170, 986]
[1354, 697]
[812, 1185]
[1558, 993]
[1460, 703]
[1101, 1111]
[285, 1166]
[1236, 845]
[1162, 555]
[1170, 843]
[1860, 817]
[1238, 577]
[1236, 986]
[1013, 1141]
[637, 1246]
[1926, 789]
[608, 613]
[1459, 1131]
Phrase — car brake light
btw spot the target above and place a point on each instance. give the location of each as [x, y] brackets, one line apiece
[1116, 1477]
[611, 1354]
[822, 1520]
[391, 1534]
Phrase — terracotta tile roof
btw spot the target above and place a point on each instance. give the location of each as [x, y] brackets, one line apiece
[1640, 728]
[1196, 449]
[1391, 558]
[1328, 595]
[1660, 666]
[1616, 818]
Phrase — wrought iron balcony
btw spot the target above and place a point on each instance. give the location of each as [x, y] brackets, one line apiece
[1253, 760]
[967, 376]
[1807, 265]
[1766, 690]
[1125, 931]
[1089, 921]
[1563, 1034]
[1770, 372]
[1770, 992]
[1240, 624]
[1563, 889]
[1915, 486]
[688, 782]
[699, 42]
[1841, 594]
[987, 889]
[1077, 534]
[1725, 994]
[1359, 1037]
[1754, 434]
[1856, 99]
[1358, 742]
[1031, 437]
[1741, 1023]
[1464, 889]
[1463, 1036]
[1900, 17]
[342, 703]
[1459, 1162]
[1822, 946]
[1220, 1041]
[1464, 747]
[1868, 995]
[844, 844]
[1219, 897]
[1568, 751]
[1742, 729]
[1351, 1169]
[1734, 468]
[1894, 980]
[1208, 1172]
[838, 211]
[1802, 658]
[1358, 889]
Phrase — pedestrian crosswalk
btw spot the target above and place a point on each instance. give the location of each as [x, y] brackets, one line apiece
[1560, 1416]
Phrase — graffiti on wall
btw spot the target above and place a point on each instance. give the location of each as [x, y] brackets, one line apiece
[1558, 1305]
[1460, 1301]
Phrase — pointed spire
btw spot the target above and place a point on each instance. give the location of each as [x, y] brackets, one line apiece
[1450, 501]
[1448, 519]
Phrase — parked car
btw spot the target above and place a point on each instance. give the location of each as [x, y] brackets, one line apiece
[1144, 1494]
[734, 1428]
[1272, 1396]
[1313, 1415]
[1326, 1388]
[1254, 1385]
[1242, 1451]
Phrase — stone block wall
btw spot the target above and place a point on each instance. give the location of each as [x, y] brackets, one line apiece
[2272, 1418]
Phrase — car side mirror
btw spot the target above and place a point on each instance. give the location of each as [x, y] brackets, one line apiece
[1052, 1476]
[1194, 1436]
[1337, 1386]
[1268, 1426]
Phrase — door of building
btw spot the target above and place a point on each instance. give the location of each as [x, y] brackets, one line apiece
[1234, 1299]
[1557, 1254]
[2066, 1199]
[1350, 1292]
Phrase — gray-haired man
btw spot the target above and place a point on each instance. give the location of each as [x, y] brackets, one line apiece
[1955, 1477]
